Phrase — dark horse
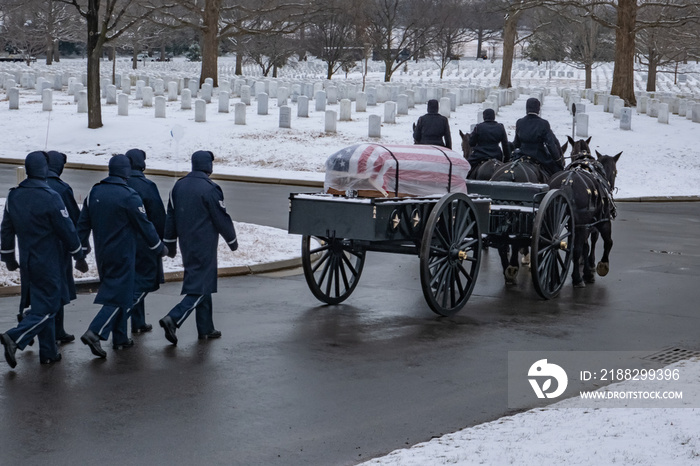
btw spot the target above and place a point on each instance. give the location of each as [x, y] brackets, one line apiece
[590, 183]
[483, 170]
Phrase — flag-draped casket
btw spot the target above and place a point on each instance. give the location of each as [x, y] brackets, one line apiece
[375, 170]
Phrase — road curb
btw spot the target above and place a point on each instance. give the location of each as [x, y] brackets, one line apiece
[180, 173]
[90, 286]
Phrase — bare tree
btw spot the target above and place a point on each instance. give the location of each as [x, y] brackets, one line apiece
[450, 33]
[270, 51]
[106, 20]
[484, 21]
[333, 36]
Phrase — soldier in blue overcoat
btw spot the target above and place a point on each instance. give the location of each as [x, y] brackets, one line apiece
[115, 214]
[57, 161]
[535, 139]
[197, 216]
[37, 217]
[149, 267]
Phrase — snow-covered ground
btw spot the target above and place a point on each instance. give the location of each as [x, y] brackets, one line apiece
[657, 160]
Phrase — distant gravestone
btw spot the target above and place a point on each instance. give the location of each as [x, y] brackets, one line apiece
[410, 96]
[332, 95]
[111, 95]
[689, 111]
[445, 107]
[76, 91]
[245, 94]
[140, 84]
[147, 96]
[200, 111]
[47, 100]
[282, 96]
[320, 98]
[71, 85]
[375, 126]
[13, 97]
[653, 110]
[696, 113]
[642, 104]
[207, 91]
[581, 124]
[186, 99]
[390, 112]
[159, 87]
[285, 116]
[123, 104]
[361, 102]
[625, 119]
[303, 106]
[160, 106]
[402, 104]
[683, 107]
[172, 91]
[371, 96]
[618, 105]
[223, 102]
[239, 109]
[193, 86]
[663, 113]
[262, 103]
[331, 121]
[345, 110]
[82, 102]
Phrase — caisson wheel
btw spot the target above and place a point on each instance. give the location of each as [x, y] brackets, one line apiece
[450, 254]
[334, 275]
[552, 244]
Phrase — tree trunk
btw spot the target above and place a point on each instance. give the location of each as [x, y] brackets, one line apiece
[329, 70]
[56, 51]
[479, 42]
[49, 50]
[651, 76]
[387, 70]
[239, 61]
[509, 33]
[94, 55]
[589, 75]
[623, 73]
[210, 42]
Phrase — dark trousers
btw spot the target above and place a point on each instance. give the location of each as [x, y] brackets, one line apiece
[138, 311]
[203, 307]
[60, 330]
[36, 324]
[111, 319]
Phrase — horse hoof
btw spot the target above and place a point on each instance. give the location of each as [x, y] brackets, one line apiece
[580, 284]
[603, 268]
[510, 273]
[526, 260]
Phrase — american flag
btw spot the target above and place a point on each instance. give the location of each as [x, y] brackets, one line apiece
[423, 170]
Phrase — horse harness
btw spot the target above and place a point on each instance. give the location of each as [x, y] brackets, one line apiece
[591, 172]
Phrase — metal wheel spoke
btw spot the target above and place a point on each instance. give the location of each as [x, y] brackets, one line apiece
[320, 262]
[349, 264]
[331, 266]
[319, 249]
[344, 275]
[325, 268]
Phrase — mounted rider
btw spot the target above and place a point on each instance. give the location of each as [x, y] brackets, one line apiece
[484, 141]
[535, 140]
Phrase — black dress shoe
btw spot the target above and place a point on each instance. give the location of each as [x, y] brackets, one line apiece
[170, 329]
[57, 358]
[93, 341]
[127, 344]
[143, 329]
[65, 338]
[10, 349]
[214, 334]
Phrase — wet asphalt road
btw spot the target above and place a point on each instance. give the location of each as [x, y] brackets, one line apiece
[293, 382]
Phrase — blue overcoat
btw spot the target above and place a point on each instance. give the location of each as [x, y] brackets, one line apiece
[149, 267]
[197, 216]
[37, 217]
[115, 215]
[66, 192]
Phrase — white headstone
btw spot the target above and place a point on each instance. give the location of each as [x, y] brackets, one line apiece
[172, 91]
[140, 84]
[186, 99]
[689, 111]
[207, 90]
[303, 106]
[375, 126]
[82, 102]
[159, 87]
[371, 96]
[160, 106]
[642, 104]
[285, 116]
[653, 110]
[13, 97]
[320, 98]
[332, 95]
[200, 110]
[625, 119]
[245, 94]
[123, 104]
[111, 95]
[223, 102]
[147, 95]
[262, 104]
[696, 113]
[582, 125]
[411, 98]
[71, 85]
[193, 86]
[445, 105]
[239, 113]
[331, 121]
[345, 110]
[663, 113]
[58, 82]
[47, 100]
[390, 112]
[618, 105]
[361, 102]
[282, 95]
[402, 104]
